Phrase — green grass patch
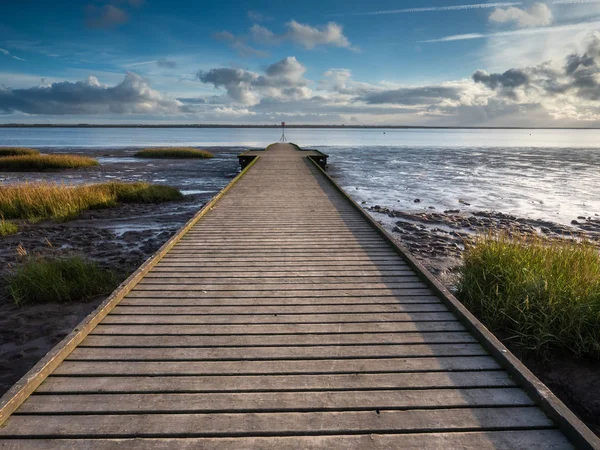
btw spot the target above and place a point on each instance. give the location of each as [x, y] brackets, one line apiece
[7, 228]
[542, 294]
[35, 163]
[17, 151]
[39, 201]
[175, 152]
[59, 280]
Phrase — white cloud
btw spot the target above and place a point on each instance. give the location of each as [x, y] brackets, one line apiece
[538, 15]
[7, 53]
[440, 8]
[132, 96]
[519, 32]
[310, 37]
[283, 80]
[306, 36]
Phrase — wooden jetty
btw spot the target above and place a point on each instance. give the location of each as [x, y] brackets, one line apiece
[283, 317]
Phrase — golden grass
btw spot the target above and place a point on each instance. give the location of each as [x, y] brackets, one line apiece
[543, 294]
[29, 163]
[17, 151]
[173, 152]
[38, 201]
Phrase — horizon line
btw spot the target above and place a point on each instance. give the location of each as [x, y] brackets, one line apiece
[183, 125]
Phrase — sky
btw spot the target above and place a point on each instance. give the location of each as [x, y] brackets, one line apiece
[381, 62]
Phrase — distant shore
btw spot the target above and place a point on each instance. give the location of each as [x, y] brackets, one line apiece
[278, 125]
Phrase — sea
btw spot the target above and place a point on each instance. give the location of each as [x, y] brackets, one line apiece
[539, 174]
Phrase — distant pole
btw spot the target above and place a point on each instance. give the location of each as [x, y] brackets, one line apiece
[282, 138]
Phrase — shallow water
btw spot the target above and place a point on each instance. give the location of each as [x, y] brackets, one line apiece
[542, 174]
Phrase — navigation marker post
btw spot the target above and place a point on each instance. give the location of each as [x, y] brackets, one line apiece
[282, 138]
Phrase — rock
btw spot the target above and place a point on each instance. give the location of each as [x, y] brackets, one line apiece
[432, 207]
[417, 200]
[451, 211]
[574, 222]
[461, 201]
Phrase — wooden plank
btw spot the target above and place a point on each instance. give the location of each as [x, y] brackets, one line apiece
[192, 279]
[270, 301]
[280, 309]
[268, 353]
[246, 383]
[275, 401]
[289, 293]
[292, 328]
[276, 340]
[193, 272]
[268, 424]
[147, 285]
[191, 368]
[277, 318]
[487, 440]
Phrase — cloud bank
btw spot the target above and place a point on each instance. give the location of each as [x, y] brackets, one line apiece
[132, 96]
[560, 92]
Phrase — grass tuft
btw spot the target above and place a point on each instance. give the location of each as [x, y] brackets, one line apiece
[28, 163]
[17, 151]
[7, 228]
[59, 280]
[35, 202]
[544, 294]
[175, 152]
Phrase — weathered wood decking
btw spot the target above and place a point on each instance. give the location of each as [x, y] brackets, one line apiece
[283, 319]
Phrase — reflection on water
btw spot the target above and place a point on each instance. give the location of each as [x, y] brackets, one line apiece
[557, 184]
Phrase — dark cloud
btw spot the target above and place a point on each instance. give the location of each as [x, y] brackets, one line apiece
[579, 76]
[412, 96]
[512, 78]
[131, 96]
[283, 79]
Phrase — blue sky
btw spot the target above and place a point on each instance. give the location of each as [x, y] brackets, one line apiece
[378, 62]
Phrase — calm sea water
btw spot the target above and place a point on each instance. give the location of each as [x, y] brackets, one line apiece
[546, 174]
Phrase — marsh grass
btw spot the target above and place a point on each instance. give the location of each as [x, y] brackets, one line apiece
[175, 152]
[31, 163]
[43, 280]
[7, 228]
[543, 294]
[17, 151]
[35, 202]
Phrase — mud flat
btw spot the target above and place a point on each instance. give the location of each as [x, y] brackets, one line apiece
[119, 238]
